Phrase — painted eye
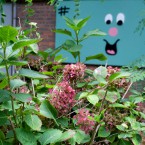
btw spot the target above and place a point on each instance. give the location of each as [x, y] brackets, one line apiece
[120, 19]
[108, 19]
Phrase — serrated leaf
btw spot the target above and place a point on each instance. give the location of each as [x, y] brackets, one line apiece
[4, 95]
[50, 136]
[119, 75]
[31, 74]
[93, 99]
[23, 97]
[47, 110]
[16, 83]
[33, 121]
[136, 139]
[8, 33]
[67, 135]
[103, 132]
[83, 95]
[23, 43]
[25, 137]
[63, 31]
[100, 57]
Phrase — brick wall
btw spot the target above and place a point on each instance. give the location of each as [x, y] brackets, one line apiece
[44, 17]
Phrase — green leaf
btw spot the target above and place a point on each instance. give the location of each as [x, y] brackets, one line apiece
[124, 135]
[124, 142]
[63, 31]
[80, 85]
[34, 47]
[8, 33]
[67, 135]
[32, 74]
[117, 105]
[103, 132]
[75, 48]
[4, 83]
[25, 137]
[83, 95]
[81, 137]
[95, 32]
[142, 115]
[119, 75]
[33, 121]
[47, 110]
[3, 118]
[112, 96]
[93, 99]
[16, 83]
[82, 22]
[23, 43]
[23, 97]
[136, 139]
[2, 136]
[100, 57]
[100, 72]
[63, 121]
[4, 95]
[18, 63]
[50, 136]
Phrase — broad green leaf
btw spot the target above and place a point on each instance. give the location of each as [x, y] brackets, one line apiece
[103, 132]
[63, 31]
[2, 75]
[112, 96]
[75, 48]
[121, 127]
[83, 95]
[23, 97]
[33, 121]
[50, 136]
[118, 75]
[136, 139]
[34, 47]
[100, 57]
[23, 43]
[80, 85]
[16, 83]
[47, 110]
[124, 135]
[17, 63]
[3, 118]
[8, 105]
[32, 74]
[25, 137]
[136, 99]
[3, 83]
[117, 105]
[124, 142]
[95, 32]
[66, 135]
[2, 135]
[8, 33]
[63, 121]
[98, 118]
[81, 137]
[100, 72]
[93, 99]
[4, 95]
[142, 115]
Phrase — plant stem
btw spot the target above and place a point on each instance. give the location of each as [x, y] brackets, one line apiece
[8, 77]
[77, 42]
[97, 126]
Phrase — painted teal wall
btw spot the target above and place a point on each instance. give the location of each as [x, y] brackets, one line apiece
[131, 45]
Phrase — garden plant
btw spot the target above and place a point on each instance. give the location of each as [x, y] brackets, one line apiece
[47, 102]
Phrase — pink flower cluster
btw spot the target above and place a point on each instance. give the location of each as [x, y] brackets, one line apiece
[74, 71]
[63, 97]
[83, 121]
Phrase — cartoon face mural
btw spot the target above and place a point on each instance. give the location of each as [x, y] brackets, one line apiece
[118, 19]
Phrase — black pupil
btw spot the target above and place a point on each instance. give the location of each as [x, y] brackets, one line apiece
[108, 22]
[119, 23]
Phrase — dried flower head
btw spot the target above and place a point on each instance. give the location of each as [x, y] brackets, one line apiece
[63, 97]
[74, 71]
[83, 120]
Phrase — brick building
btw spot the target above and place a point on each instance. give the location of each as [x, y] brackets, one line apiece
[44, 16]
